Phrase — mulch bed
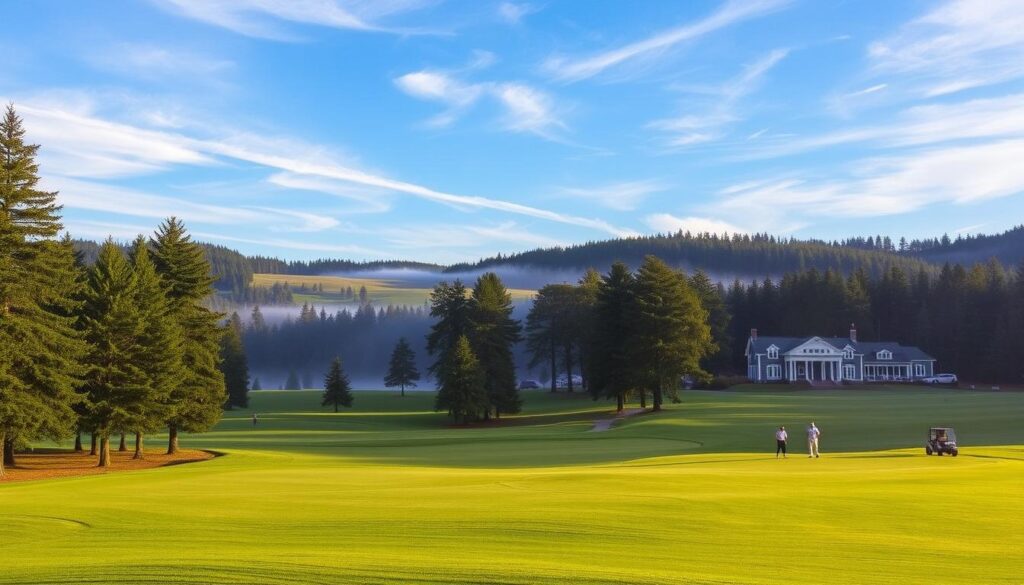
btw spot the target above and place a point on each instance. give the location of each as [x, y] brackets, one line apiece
[49, 464]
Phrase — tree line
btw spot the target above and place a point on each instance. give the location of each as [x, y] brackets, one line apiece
[123, 346]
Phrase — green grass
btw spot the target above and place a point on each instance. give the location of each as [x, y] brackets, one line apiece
[379, 290]
[388, 493]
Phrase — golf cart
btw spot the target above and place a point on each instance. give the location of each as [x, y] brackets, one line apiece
[941, 440]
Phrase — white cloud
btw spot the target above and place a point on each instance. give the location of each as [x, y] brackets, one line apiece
[372, 200]
[959, 45]
[513, 12]
[883, 186]
[732, 12]
[720, 105]
[262, 18]
[524, 108]
[622, 196]
[155, 63]
[667, 223]
[130, 150]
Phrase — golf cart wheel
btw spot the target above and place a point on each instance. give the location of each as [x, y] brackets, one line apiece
[927, 450]
[939, 453]
[954, 453]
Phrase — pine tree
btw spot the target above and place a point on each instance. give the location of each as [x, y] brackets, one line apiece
[337, 391]
[449, 305]
[256, 384]
[196, 403]
[493, 332]
[40, 363]
[672, 329]
[402, 368]
[461, 392]
[119, 391]
[161, 343]
[292, 383]
[234, 364]
[612, 375]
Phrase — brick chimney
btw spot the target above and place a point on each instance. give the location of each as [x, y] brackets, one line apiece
[753, 334]
[853, 333]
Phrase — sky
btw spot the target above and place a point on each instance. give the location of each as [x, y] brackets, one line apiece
[446, 131]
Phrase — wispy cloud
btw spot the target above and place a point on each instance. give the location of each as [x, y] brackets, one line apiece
[122, 149]
[667, 223]
[720, 105]
[158, 63]
[524, 108]
[623, 196]
[264, 18]
[732, 12]
[959, 45]
[514, 12]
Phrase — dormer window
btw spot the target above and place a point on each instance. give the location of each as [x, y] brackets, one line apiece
[848, 353]
[885, 354]
[773, 353]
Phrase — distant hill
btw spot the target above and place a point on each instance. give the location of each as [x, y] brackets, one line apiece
[1007, 247]
[757, 255]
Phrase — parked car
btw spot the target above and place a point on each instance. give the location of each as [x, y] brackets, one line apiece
[941, 379]
[529, 384]
[563, 381]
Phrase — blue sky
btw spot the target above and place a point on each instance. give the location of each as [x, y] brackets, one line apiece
[446, 131]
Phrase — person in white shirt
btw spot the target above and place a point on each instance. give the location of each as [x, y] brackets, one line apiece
[812, 440]
[780, 442]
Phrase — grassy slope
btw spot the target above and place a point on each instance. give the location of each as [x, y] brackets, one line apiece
[387, 493]
[380, 291]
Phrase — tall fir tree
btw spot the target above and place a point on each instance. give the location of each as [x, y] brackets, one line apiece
[40, 365]
[612, 372]
[449, 305]
[337, 391]
[461, 392]
[672, 330]
[234, 364]
[493, 333]
[402, 370]
[196, 403]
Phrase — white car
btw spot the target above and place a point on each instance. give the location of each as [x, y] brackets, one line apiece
[563, 382]
[941, 379]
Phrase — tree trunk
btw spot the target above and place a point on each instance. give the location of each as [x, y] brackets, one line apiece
[335, 407]
[3, 439]
[656, 398]
[554, 368]
[93, 449]
[9, 452]
[123, 446]
[643, 398]
[104, 452]
[403, 390]
[618, 402]
[138, 447]
[78, 442]
[568, 367]
[172, 439]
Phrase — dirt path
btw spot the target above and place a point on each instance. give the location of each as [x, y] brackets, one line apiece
[48, 465]
[606, 424]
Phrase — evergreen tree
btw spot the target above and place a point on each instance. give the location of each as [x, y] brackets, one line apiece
[336, 387]
[613, 336]
[40, 363]
[234, 364]
[713, 301]
[292, 383]
[493, 332]
[450, 307]
[120, 394]
[161, 344]
[461, 392]
[256, 384]
[402, 370]
[196, 403]
[672, 329]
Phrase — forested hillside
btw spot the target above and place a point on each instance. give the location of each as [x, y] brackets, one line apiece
[1007, 247]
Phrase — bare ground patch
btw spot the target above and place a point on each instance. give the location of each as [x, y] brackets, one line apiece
[50, 464]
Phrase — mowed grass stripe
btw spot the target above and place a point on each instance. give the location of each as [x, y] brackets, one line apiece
[388, 493]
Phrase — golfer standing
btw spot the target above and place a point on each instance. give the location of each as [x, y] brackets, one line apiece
[780, 442]
[812, 440]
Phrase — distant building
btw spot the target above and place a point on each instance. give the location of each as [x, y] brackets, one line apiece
[833, 360]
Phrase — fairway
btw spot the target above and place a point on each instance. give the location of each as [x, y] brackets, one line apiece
[389, 493]
[381, 291]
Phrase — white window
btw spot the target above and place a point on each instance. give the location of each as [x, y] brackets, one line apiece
[919, 370]
[773, 353]
[848, 353]
[849, 372]
[774, 371]
[885, 354]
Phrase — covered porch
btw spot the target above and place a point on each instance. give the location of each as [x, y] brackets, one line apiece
[814, 369]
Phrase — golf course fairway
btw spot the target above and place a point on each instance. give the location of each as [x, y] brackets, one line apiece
[388, 492]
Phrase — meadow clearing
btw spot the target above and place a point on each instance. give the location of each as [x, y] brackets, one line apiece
[389, 493]
[381, 291]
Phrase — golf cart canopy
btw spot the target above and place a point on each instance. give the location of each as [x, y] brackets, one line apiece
[943, 433]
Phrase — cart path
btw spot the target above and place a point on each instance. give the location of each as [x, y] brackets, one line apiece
[606, 424]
